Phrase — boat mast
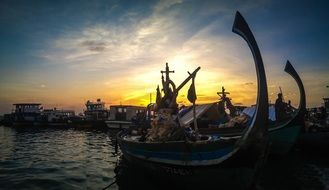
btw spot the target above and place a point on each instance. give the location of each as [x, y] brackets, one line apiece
[165, 84]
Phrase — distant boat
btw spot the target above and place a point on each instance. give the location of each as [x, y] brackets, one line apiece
[25, 114]
[55, 118]
[32, 114]
[95, 116]
[122, 116]
[229, 162]
[96, 111]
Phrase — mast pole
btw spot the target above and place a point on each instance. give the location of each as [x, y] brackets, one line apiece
[194, 118]
[150, 97]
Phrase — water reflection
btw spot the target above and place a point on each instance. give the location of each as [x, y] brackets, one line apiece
[128, 177]
[48, 158]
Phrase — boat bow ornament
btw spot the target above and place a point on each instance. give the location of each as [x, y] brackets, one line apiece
[241, 28]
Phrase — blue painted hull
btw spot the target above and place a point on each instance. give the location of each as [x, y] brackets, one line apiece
[216, 161]
[180, 153]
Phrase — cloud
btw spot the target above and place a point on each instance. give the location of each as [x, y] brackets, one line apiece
[158, 36]
[94, 45]
[134, 53]
[249, 83]
[139, 50]
[115, 50]
[165, 4]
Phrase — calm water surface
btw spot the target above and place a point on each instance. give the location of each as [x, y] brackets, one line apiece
[48, 158]
[55, 159]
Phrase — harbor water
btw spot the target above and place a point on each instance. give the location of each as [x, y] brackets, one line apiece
[52, 158]
[48, 158]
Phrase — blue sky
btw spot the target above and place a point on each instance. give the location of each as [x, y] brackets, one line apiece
[62, 53]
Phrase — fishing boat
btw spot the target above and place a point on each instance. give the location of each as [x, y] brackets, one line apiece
[282, 134]
[227, 161]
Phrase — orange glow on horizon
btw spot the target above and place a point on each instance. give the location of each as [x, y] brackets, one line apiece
[136, 89]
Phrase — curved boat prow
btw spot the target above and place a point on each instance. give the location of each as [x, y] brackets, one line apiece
[284, 135]
[258, 128]
[302, 101]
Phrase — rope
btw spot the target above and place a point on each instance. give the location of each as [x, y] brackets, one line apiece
[110, 184]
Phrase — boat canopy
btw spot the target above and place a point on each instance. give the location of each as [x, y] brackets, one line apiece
[187, 118]
[187, 113]
[250, 111]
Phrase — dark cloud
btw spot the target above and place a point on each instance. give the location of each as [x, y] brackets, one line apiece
[94, 45]
[248, 83]
[97, 48]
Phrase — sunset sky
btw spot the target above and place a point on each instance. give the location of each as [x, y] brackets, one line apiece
[63, 53]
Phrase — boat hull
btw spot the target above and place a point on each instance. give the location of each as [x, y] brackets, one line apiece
[22, 123]
[282, 137]
[183, 153]
[282, 140]
[216, 160]
[192, 177]
[237, 172]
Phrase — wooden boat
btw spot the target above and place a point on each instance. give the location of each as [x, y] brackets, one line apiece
[228, 161]
[282, 135]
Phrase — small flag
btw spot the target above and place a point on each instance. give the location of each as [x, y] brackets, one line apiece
[191, 96]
